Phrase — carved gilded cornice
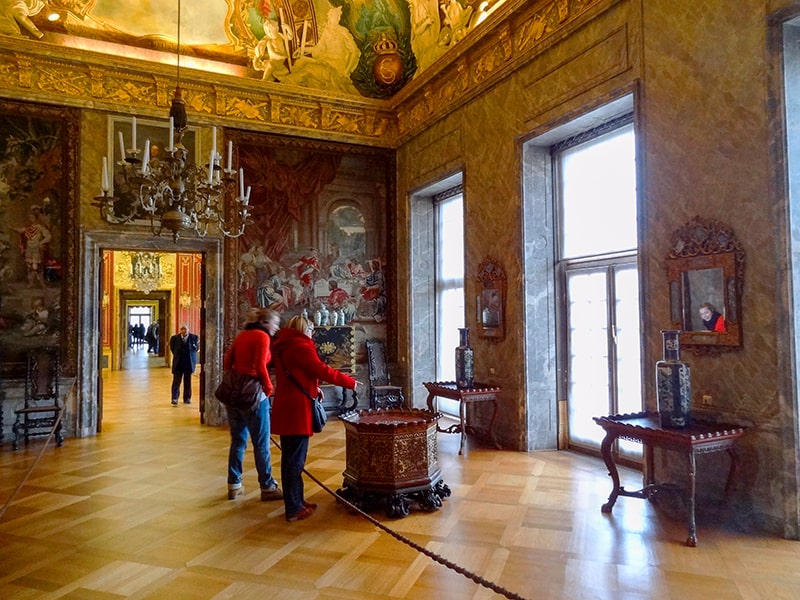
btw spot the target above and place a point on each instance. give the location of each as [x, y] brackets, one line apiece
[51, 74]
[510, 38]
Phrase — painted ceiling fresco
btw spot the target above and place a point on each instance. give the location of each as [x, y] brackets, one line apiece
[370, 48]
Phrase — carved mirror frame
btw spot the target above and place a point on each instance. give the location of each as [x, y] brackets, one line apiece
[491, 302]
[705, 264]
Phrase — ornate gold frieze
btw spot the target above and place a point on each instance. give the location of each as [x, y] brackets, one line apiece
[513, 41]
[81, 78]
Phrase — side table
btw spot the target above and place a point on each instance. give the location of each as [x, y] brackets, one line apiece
[477, 393]
[645, 427]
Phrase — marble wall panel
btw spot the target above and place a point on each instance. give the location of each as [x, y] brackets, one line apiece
[698, 74]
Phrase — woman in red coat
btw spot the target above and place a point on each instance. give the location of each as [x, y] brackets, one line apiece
[298, 371]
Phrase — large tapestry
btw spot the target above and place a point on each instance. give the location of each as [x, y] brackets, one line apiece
[317, 243]
[38, 149]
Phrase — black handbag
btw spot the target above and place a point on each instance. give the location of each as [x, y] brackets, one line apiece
[318, 414]
[239, 391]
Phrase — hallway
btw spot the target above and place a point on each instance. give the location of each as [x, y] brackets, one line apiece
[140, 511]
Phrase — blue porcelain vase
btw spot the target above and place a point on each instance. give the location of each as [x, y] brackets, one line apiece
[674, 384]
[465, 365]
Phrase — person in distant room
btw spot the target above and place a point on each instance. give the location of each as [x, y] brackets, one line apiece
[151, 337]
[184, 346]
[298, 371]
[712, 320]
[250, 354]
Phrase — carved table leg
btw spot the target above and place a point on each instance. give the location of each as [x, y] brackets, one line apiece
[491, 424]
[692, 539]
[462, 416]
[608, 458]
[431, 398]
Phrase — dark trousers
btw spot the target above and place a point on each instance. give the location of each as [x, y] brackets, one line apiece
[186, 377]
[294, 449]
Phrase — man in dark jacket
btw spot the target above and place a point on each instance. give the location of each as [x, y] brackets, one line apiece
[184, 347]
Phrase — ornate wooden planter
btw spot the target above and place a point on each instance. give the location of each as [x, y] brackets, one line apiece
[392, 458]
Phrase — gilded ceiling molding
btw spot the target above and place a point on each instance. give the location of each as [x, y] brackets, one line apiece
[515, 36]
[510, 38]
[90, 80]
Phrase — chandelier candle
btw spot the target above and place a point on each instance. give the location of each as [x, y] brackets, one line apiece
[146, 157]
[104, 183]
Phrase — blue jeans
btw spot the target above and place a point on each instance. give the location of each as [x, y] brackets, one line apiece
[294, 449]
[257, 425]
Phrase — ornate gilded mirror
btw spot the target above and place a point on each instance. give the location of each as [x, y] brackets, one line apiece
[491, 300]
[705, 271]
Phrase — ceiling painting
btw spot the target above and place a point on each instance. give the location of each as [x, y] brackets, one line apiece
[371, 48]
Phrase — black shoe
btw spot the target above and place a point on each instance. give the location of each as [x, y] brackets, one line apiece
[187, 401]
[174, 403]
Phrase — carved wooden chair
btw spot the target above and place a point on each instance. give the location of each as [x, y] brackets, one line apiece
[42, 409]
[382, 393]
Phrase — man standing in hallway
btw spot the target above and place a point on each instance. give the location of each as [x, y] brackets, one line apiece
[184, 360]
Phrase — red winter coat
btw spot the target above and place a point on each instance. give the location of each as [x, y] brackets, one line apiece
[291, 408]
[249, 354]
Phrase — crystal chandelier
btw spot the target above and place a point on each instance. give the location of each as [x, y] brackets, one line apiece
[146, 273]
[171, 192]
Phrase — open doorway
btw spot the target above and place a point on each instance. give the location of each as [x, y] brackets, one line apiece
[146, 296]
[146, 321]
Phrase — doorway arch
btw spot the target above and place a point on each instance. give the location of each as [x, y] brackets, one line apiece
[87, 411]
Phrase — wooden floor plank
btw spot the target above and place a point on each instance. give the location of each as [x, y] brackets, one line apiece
[141, 511]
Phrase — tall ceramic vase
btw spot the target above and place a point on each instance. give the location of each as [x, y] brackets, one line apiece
[465, 365]
[674, 383]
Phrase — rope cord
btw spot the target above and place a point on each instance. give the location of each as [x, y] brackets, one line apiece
[429, 553]
[33, 466]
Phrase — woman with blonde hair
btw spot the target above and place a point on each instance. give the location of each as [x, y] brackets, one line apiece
[298, 371]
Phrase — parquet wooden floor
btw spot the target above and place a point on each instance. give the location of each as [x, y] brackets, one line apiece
[141, 512]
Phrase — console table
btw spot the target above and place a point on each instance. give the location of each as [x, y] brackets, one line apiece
[645, 427]
[477, 393]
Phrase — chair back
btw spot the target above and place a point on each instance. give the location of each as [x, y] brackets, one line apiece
[41, 382]
[376, 359]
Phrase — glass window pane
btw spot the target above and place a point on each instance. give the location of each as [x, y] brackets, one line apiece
[588, 355]
[449, 290]
[629, 366]
[629, 369]
[598, 191]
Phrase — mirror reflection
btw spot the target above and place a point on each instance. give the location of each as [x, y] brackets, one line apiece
[706, 291]
[705, 270]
